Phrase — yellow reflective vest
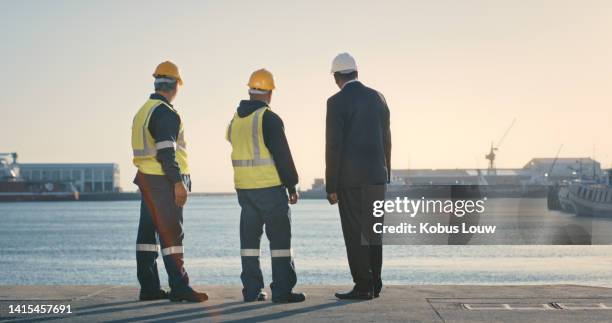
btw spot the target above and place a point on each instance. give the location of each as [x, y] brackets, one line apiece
[144, 146]
[251, 159]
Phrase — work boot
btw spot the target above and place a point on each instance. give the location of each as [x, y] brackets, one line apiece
[356, 294]
[190, 295]
[377, 288]
[260, 298]
[291, 298]
[160, 294]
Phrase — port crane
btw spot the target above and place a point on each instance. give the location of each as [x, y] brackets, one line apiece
[491, 155]
[552, 166]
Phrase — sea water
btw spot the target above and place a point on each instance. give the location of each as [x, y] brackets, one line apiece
[88, 243]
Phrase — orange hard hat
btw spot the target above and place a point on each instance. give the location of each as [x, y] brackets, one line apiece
[168, 69]
[261, 79]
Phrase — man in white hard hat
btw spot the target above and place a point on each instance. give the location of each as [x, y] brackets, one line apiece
[358, 167]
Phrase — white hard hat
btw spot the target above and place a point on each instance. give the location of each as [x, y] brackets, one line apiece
[343, 63]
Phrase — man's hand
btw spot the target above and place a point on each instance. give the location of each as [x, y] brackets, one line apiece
[180, 194]
[293, 198]
[332, 198]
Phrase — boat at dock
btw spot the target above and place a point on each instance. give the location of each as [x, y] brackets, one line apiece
[13, 188]
[593, 200]
[590, 198]
[558, 198]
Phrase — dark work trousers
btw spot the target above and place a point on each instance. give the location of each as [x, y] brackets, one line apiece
[160, 219]
[363, 246]
[266, 207]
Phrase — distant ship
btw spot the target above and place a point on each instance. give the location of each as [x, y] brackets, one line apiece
[479, 185]
[561, 199]
[13, 188]
[583, 198]
[591, 199]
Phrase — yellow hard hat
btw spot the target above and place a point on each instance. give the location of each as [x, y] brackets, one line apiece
[168, 69]
[262, 80]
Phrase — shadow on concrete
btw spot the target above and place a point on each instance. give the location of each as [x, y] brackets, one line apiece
[112, 308]
[96, 306]
[195, 313]
[203, 313]
[285, 314]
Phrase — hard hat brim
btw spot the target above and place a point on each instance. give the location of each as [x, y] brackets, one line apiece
[345, 71]
[179, 80]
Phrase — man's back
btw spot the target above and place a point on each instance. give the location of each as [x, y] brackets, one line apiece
[358, 139]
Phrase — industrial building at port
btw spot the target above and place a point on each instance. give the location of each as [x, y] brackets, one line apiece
[538, 171]
[86, 177]
[105, 177]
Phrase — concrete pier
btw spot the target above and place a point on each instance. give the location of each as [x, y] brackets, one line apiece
[461, 303]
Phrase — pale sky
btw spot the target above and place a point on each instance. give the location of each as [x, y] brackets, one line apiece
[455, 74]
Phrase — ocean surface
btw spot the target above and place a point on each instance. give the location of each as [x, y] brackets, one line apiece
[94, 243]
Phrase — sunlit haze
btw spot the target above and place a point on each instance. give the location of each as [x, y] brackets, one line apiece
[455, 75]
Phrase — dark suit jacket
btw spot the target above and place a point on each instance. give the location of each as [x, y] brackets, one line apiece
[358, 138]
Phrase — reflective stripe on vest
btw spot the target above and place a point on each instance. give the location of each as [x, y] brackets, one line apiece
[252, 163]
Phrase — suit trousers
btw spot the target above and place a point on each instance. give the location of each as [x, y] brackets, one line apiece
[363, 246]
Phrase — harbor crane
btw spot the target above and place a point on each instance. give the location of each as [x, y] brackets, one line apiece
[491, 155]
[552, 166]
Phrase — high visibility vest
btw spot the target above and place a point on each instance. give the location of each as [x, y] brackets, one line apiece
[144, 146]
[252, 161]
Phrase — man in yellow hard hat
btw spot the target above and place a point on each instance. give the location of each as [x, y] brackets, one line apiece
[160, 153]
[264, 174]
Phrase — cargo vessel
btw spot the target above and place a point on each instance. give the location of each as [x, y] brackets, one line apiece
[13, 188]
[479, 188]
[590, 198]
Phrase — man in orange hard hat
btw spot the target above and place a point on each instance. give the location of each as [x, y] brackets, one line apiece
[265, 178]
[160, 153]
